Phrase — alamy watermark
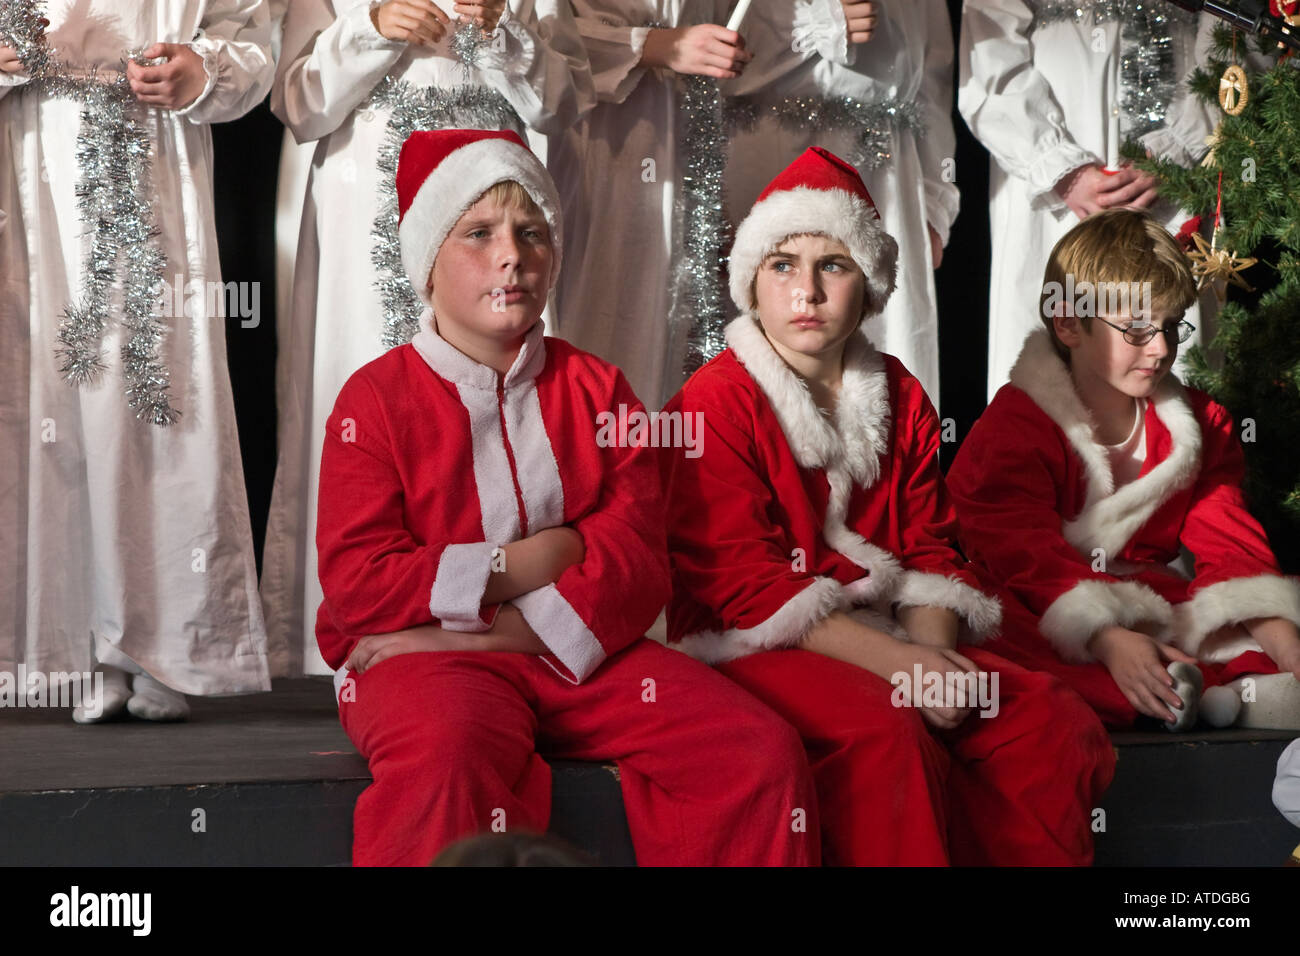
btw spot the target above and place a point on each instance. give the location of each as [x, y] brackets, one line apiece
[53, 689]
[1088, 300]
[197, 299]
[641, 429]
[923, 688]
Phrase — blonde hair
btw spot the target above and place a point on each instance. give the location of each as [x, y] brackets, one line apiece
[1117, 248]
[509, 194]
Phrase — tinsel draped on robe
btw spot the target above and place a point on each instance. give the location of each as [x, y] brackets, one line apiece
[333, 60]
[117, 534]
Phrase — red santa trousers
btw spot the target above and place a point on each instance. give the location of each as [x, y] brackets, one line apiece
[710, 776]
[1092, 681]
[1016, 789]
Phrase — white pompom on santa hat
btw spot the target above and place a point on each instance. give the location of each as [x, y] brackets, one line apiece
[441, 173]
[818, 193]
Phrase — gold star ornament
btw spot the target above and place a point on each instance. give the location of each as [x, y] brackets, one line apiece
[1218, 267]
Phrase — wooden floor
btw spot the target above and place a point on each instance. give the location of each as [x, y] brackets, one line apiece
[276, 779]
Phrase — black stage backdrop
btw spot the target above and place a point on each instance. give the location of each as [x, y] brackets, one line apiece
[247, 154]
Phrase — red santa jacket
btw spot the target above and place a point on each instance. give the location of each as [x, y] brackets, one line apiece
[785, 515]
[432, 461]
[1039, 513]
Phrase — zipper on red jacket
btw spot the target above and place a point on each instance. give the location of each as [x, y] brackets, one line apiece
[510, 457]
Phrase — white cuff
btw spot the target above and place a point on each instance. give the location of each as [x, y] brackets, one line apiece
[1231, 602]
[784, 628]
[820, 27]
[561, 629]
[1090, 605]
[981, 615]
[211, 66]
[458, 585]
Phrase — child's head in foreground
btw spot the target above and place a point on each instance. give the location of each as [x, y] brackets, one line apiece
[480, 232]
[1114, 293]
[811, 260]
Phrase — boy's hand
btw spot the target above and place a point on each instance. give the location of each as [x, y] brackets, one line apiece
[941, 661]
[861, 16]
[9, 62]
[420, 22]
[379, 647]
[703, 50]
[563, 548]
[1137, 662]
[172, 85]
[486, 13]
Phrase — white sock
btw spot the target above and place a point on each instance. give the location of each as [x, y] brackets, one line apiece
[154, 701]
[1276, 704]
[1187, 685]
[110, 705]
[1221, 705]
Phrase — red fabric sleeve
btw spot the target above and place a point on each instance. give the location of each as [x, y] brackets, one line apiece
[728, 553]
[934, 573]
[1237, 576]
[376, 578]
[610, 599]
[1005, 484]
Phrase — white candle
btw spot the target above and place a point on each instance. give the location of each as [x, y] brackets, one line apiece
[1112, 140]
[738, 15]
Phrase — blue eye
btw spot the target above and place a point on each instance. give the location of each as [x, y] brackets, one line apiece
[832, 266]
[781, 266]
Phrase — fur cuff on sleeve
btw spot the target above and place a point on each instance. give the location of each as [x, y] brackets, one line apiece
[785, 628]
[1231, 602]
[981, 615]
[1090, 605]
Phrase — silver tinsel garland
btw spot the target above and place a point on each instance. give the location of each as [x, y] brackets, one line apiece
[874, 122]
[708, 120]
[411, 108]
[697, 253]
[113, 156]
[1146, 63]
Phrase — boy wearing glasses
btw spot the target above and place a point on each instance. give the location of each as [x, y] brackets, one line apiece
[1093, 469]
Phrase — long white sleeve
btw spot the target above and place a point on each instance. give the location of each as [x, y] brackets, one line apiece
[614, 45]
[821, 30]
[539, 65]
[1007, 103]
[1189, 119]
[330, 61]
[234, 40]
[939, 144]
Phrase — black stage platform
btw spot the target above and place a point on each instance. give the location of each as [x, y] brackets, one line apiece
[276, 778]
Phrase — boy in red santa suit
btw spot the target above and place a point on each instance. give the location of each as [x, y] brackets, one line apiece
[810, 540]
[489, 569]
[1089, 472]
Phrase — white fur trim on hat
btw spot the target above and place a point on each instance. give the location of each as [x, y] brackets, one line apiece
[829, 212]
[455, 185]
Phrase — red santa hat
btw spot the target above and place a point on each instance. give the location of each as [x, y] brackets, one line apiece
[441, 173]
[817, 193]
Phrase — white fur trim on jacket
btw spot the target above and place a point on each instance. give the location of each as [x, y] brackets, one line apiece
[828, 212]
[786, 628]
[455, 185]
[1109, 518]
[847, 447]
[981, 615]
[1231, 602]
[1090, 605]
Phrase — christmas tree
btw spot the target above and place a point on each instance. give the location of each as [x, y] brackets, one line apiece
[1254, 168]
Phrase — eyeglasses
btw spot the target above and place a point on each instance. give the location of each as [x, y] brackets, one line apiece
[1141, 334]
